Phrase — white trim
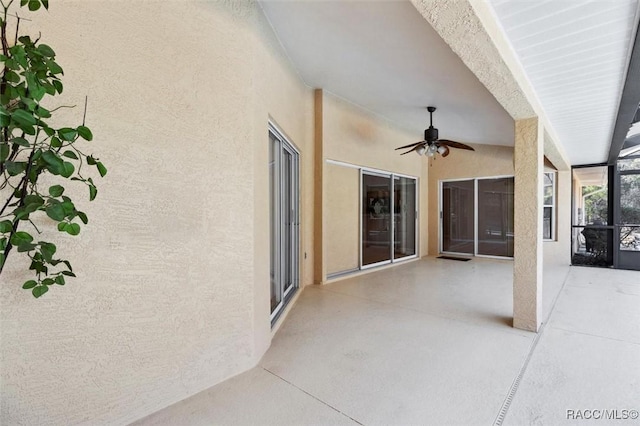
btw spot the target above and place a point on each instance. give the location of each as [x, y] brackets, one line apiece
[368, 169]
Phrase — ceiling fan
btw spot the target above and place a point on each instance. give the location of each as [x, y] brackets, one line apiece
[431, 145]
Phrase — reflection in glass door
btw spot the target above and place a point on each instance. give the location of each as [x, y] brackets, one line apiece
[376, 218]
[284, 217]
[495, 217]
[458, 230]
[477, 216]
[405, 217]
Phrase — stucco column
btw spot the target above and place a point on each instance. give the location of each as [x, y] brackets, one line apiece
[527, 266]
[319, 260]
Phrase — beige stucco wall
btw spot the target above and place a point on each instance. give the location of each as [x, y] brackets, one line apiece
[353, 135]
[172, 289]
[485, 161]
[342, 218]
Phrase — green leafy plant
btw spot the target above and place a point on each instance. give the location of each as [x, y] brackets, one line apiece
[30, 148]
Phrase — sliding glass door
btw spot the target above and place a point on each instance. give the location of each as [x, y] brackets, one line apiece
[458, 226]
[389, 218]
[477, 217]
[376, 218]
[495, 217]
[284, 217]
[405, 217]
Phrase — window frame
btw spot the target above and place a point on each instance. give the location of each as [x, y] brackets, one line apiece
[552, 206]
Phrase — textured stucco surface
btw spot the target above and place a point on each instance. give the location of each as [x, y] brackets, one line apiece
[459, 26]
[173, 286]
[358, 137]
[485, 161]
[342, 218]
[527, 264]
[472, 31]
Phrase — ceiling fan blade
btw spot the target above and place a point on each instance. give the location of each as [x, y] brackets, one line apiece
[454, 144]
[411, 150]
[446, 152]
[410, 145]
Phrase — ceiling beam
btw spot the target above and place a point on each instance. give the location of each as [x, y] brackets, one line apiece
[628, 103]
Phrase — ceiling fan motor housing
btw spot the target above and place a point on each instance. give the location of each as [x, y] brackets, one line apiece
[431, 134]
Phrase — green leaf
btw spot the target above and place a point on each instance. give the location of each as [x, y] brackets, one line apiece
[68, 169]
[51, 158]
[54, 68]
[45, 3]
[83, 217]
[101, 168]
[68, 273]
[91, 161]
[22, 117]
[48, 281]
[62, 226]
[56, 212]
[5, 118]
[20, 238]
[67, 134]
[6, 226]
[39, 291]
[29, 284]
[20, 141]
[85, 133]
[33, 199]
[56, 190]
[47, 250]
[23, 2]
[72, 229]
[57, 84]
[26, 247]
[2, 257]
[59, 280]
[55, 142]
[93, 191]
[14, 168]
[4, 151]
[46, 50]
[70, 154]
[44, 113]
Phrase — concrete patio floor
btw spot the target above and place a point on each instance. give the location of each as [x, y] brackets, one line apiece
[431, 343]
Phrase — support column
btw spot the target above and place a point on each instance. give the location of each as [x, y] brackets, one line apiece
[528, 198]
[319, 259]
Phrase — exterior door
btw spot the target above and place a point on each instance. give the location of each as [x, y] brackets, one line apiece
[377, 225]
[628, 226]
[458, 222]
[284, 220]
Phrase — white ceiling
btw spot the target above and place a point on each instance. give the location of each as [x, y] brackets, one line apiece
[575, 54]
[386, 58]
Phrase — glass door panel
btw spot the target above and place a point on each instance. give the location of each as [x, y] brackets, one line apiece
[376, 219]
[274, 219]
[283, 218]
[405, 223]
[458, 231]
[287, 213]
[629, 225]
[592, 230]
[495, 217]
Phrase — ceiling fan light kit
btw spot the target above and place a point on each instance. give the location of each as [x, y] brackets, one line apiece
[432, 145]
